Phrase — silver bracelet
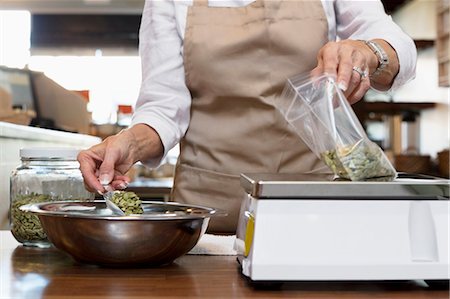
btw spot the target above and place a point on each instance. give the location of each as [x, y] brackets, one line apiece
[383, 59]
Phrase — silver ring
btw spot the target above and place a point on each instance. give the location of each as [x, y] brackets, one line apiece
[362, 74]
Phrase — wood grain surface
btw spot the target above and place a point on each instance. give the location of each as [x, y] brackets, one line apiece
[49, 273]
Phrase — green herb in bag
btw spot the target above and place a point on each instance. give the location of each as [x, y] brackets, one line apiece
[360, 161]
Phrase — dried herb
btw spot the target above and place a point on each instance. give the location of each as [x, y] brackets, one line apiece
[360, 161]
[26, 226]
[128, 202]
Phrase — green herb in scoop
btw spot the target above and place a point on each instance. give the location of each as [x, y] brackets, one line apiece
[128, 202]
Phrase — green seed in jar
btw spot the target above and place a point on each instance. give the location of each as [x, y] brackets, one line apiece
[26, 226]
[128, 202]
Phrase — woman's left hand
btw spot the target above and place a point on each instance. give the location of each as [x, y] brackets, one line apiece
[350, 61]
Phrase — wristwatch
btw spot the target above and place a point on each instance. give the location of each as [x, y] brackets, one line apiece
[383, 59]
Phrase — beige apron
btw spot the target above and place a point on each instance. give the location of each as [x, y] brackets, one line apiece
[237, 61]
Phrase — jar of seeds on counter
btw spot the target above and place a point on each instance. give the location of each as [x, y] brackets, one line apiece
[45, 174]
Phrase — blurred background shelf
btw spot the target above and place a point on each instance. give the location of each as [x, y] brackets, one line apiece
[402, 134]
[443, 41]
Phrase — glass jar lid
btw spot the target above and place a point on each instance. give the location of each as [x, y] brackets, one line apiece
[66, 153]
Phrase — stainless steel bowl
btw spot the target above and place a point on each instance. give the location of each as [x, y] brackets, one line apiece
[90, 233]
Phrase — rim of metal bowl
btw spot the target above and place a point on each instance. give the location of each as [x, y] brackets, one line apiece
[74, 209]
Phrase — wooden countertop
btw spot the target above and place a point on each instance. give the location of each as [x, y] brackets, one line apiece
[49, 273]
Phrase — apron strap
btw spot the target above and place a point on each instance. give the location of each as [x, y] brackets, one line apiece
[200, 3]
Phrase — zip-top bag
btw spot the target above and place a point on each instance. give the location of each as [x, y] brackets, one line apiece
[321, 115]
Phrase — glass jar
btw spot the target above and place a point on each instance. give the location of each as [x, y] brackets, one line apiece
[45, 174]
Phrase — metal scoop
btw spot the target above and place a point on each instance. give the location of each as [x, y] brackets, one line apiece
[109, 203]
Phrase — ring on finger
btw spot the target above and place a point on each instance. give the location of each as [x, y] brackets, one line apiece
[362, 74]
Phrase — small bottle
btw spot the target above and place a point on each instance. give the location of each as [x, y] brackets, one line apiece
[45, 174]
[124, 115]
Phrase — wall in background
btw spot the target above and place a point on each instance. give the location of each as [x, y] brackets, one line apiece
[423, 25]
[111, 80]
[14, 44]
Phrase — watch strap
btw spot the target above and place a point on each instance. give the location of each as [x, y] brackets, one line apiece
[383, 59]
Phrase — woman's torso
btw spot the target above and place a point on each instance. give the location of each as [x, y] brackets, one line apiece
[237, 61]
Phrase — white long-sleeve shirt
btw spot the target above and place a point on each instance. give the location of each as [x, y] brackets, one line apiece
[164, 100]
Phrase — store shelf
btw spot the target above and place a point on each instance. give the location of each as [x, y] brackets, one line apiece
[443, 41]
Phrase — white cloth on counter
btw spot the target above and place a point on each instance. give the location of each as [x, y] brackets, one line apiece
[214, 245]
[164, 100]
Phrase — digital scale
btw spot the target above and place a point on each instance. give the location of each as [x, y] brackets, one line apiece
[311, 227]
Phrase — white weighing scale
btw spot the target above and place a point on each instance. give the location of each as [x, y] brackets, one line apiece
[309, 227]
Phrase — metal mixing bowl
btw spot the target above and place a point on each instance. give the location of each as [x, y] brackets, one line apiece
[90, 233]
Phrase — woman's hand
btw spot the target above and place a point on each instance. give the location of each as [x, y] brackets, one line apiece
[352, 61]
[107, 162]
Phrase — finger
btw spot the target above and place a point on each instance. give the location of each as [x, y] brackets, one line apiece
[109, 188]
[89, 188]
[106, 169]
[359, 91]
[119, 184]
[123, 178]
[94, 156]
[95, 152]
[359, 62]
[90, 156]
[354, 82]
[120, 181]
[88, 169]
[92, 183]
[345, 68]
[330, 58]
[318, 70]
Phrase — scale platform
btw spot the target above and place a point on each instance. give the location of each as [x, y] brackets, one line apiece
[311, 227]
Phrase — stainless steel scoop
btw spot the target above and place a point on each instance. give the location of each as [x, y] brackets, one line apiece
[109, 203]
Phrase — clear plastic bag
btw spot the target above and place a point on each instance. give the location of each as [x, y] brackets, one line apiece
[321, 115]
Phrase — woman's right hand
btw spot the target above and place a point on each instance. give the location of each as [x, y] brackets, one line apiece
[107, 162]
